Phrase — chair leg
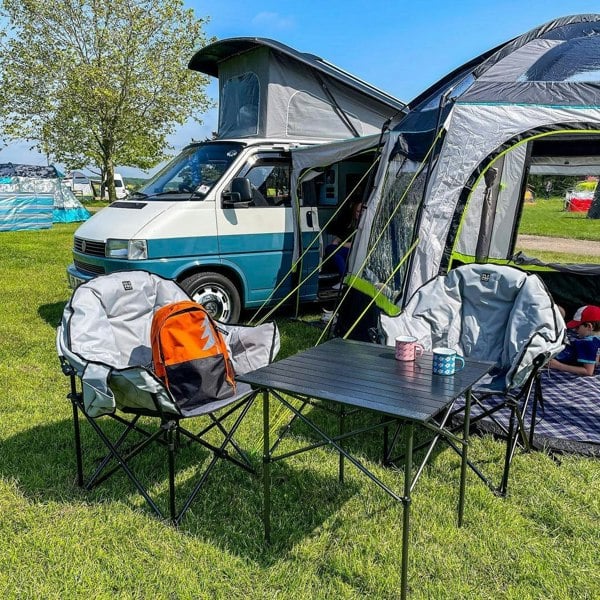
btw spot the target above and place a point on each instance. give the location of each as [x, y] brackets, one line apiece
[218, 452]
[234, 444]
[172, 438]
[77, 436]
[221, 451]
[168, 434]
[537, 399]
[244, 461]
[101, 474]
[511, 444]
[122, 463]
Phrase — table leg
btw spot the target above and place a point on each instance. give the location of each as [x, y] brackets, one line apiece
[463, 463]
[408, 459]
[266, 467]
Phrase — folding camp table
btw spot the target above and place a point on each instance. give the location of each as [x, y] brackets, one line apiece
[358, 375]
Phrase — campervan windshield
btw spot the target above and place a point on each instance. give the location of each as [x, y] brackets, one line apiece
[195, 171]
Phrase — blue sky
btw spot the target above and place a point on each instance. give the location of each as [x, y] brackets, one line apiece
[400, 47]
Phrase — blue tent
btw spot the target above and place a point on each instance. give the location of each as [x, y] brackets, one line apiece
[34, 197]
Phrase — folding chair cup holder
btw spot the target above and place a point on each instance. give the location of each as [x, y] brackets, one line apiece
[495, 313]
[103, 342]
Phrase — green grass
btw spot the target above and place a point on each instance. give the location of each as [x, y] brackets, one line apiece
[548, 256]
[329, 540]
[547, 217]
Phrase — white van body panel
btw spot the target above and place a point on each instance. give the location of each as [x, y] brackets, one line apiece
[113, 222]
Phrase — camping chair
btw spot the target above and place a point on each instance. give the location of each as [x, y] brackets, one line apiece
[103, 344]
[493, 313]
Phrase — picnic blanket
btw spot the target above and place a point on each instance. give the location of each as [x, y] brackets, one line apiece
[568, 420]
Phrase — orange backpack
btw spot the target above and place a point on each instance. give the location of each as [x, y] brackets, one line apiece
[190, 355]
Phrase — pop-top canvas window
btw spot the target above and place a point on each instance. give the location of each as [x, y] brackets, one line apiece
[309, 116]
[239, 106]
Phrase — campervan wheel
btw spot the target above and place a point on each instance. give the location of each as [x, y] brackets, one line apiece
[216, 293]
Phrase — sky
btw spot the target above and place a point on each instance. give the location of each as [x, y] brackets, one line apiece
[399, 47]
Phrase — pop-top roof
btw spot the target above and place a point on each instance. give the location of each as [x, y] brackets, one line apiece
[207, 61]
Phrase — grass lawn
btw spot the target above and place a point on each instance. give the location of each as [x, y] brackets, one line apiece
[329, 540]
[547, 217]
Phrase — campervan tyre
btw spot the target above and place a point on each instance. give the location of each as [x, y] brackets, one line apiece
[216, 293]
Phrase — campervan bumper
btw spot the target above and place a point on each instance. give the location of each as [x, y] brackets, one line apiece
[77, 275]
[85, 267]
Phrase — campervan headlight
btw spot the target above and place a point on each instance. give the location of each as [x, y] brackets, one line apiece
[138, 250]
[127, 249]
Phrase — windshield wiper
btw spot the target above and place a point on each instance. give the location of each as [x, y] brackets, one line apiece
[140, 194]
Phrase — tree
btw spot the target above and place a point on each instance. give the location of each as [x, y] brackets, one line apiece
[99, 82]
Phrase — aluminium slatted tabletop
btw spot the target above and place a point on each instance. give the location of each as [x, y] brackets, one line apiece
[366, 376]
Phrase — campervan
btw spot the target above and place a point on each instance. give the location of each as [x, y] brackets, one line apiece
[81, 185]
[219, 218]
[120, 188]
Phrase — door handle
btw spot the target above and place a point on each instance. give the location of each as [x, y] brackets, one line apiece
[309, 218]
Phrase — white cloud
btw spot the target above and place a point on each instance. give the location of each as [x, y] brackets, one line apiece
[273, 20]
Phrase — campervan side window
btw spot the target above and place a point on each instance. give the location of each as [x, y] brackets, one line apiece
[270, 180]
[239, 104]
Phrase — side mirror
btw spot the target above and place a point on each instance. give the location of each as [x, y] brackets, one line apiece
[240, 194]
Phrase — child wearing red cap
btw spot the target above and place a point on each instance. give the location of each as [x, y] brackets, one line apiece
[580, 356]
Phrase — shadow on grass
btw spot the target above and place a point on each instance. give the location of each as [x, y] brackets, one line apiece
[227, 511]
[52, 313]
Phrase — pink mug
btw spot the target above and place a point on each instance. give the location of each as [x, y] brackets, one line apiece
[407, 348]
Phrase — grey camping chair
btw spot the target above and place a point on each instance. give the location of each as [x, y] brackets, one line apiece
[493, 313]
[103, 343]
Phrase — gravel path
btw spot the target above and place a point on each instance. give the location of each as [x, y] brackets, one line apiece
[538, 242]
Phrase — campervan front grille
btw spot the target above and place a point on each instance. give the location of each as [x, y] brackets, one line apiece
[89, 247]
[86, 268]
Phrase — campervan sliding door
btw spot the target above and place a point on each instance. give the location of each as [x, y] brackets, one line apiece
[257, 238]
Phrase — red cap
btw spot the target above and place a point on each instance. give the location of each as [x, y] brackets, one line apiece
[585, 314]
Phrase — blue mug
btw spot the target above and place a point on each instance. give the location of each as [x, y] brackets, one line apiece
[445, 361]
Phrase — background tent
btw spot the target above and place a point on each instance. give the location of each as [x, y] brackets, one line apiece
[34, 197]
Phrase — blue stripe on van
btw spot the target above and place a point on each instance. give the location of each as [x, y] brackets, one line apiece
[183, 246]
[257, 259]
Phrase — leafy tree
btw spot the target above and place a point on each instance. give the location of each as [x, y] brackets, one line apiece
[99, 82]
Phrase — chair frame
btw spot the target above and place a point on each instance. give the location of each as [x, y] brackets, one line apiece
[516, 432]
[169, 432]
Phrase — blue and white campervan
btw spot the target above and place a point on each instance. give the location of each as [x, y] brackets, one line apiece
[220, 218]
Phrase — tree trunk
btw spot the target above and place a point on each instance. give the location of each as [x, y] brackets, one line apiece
[110, 181]
[102, 183]
[594, 211]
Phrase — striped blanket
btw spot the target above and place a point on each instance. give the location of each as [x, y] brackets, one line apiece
[568, 419]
